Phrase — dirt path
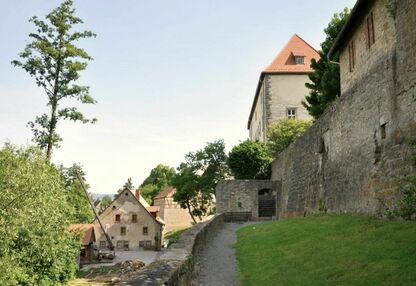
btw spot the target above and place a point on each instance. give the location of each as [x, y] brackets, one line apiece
[217, 263]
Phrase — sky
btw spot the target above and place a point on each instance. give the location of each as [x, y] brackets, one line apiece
[168, 76]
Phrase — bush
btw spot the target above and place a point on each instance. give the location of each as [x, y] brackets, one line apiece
[282, 133]
[36, 247]
[250, 160]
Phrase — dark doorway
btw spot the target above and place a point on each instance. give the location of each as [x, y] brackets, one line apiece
[267, 203]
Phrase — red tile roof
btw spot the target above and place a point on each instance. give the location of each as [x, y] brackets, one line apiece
[87, 229]
[153, 209]
[285, 60]
[163, 194]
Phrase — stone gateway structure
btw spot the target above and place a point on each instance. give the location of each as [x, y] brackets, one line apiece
[242, 200]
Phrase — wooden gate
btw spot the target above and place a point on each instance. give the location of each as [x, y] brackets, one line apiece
[267, 203]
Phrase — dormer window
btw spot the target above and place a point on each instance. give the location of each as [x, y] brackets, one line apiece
[300, 60]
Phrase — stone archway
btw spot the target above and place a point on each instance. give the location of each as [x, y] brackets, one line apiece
[267, 203]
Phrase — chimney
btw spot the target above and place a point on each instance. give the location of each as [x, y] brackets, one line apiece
[137, 193]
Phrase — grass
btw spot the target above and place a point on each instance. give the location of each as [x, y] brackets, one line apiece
[174, 235]
[328, 250]
[96, 276]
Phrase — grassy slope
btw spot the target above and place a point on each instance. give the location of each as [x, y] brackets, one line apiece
[328, 250]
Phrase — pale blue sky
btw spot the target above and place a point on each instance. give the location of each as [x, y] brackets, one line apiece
[168, 76]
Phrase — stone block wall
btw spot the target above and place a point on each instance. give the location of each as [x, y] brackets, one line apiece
[350, 159]
[236, 197]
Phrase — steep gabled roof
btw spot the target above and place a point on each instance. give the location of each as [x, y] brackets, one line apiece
[163, 194]
[285, 60]
[285, 63]
[87, 229]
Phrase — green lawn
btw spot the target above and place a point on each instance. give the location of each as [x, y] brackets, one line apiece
[348, 250]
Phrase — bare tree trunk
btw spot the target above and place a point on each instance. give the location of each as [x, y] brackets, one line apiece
[190, 212]
[52, 127]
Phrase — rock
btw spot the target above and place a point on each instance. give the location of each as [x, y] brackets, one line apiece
[115, 280]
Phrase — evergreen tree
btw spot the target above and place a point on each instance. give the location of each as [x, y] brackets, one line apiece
[325, 80]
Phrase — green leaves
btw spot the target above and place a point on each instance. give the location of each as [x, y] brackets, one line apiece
[55, 63]
[35, 246]
[250, 160]
[325, 80]
[283, 132]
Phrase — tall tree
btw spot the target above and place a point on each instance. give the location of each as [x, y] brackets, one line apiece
[325, 80]
[198, 176]
[250, 160]
[128, 185]
[160, 177]
[55, 62]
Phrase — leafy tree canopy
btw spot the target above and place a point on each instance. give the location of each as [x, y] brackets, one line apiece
[325, 80]
[55, 62]
[283, 132]
[105, 202]
[198, 176]
[160, 177]
[250, 160]
[36, 247]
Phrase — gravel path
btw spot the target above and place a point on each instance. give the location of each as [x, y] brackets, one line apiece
[217, 265]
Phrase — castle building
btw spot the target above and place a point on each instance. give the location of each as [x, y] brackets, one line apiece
[281, 88]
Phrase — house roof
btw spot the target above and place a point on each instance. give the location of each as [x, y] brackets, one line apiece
[360, 9]
[153, 209]
[87, 229]
[163, 194]
[285, 63]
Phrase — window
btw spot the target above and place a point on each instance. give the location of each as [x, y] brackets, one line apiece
[134, 218]
[145, 230]
[300, 60]
[123, 230]
[370, 30]
[351, 53]
[126, 194]
[291, 113]
[120, 244]
[383, 131]
[141, 243]
[103, 244]
[117, 218]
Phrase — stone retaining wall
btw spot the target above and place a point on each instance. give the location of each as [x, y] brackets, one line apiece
[176, 264]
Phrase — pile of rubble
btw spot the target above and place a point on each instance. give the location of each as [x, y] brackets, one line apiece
[131, 265]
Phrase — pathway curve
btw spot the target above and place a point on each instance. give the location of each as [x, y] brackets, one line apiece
[217, 264]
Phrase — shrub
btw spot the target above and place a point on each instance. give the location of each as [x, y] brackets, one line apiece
[284, 132]
[250, 160]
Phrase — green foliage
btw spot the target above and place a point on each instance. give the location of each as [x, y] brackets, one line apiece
[105, 202]
[325, 80]
[160, 177]
[55, 62]
[76, 196]
[283, 132]
[346, 249]
[250, 160]
[128, 185]
[197, 178]
[391, 6]
[406, 205]
[36, 247]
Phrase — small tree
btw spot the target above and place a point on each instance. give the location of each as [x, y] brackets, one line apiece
[105, 202]
[128, 185]
[160, 177]
[325, 80]
[198, 176]
[55, 62]
[283, 132]
[250, 160]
